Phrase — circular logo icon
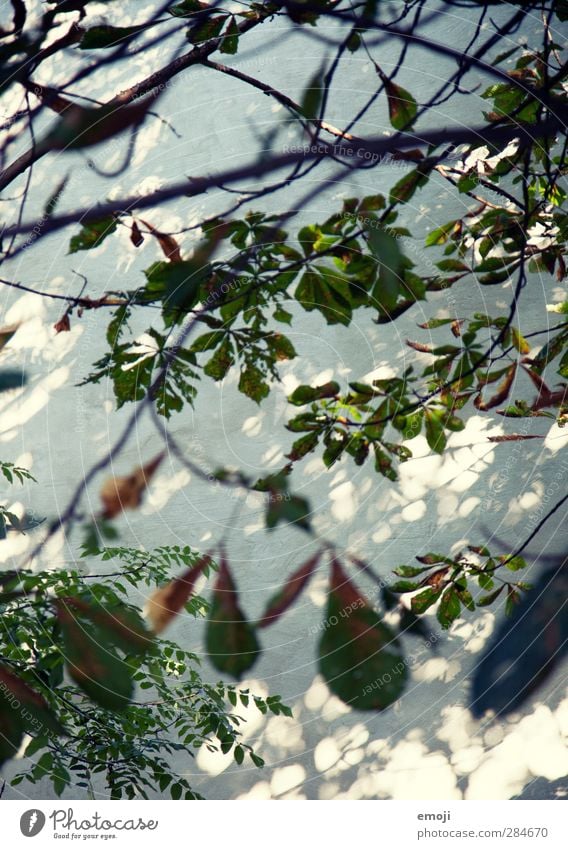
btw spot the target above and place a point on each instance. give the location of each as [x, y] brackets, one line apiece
[32, 822]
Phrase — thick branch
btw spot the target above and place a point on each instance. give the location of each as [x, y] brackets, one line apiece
[353, 152]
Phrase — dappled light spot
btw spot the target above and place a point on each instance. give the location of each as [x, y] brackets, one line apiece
[437, 669]
[382, 534]
[414, 511]
[252, 426]
[457, 728]
[287, 778]
[344, 501]
[465, 761]
[414, 773]
[285, 734]
[316, 696]
[260, 791]
[326, 754]
[163, 489]
[468, 506]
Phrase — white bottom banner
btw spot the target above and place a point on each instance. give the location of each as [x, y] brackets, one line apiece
[277, 825]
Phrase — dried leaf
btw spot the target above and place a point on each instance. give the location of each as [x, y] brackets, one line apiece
[419, 346]
[168, 244]
[63, 325]
[513, 437]
[118, 494]
[502, 391]
[166, 602]
[136, 236]
[279, 603]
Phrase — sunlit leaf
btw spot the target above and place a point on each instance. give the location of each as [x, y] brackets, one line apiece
[166, 602]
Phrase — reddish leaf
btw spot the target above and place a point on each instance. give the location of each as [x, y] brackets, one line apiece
[502, 391]
[167, 601]
[121, 624]
[30, 711]
[63, 325]
[136, 236]
[289, 592]
[419, 346]
[168, 244]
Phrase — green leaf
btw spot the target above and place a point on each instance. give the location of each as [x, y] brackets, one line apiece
[221, 361]
[208, 341]
[435, 436]
[486, 600]
[123, 626]
[410, 571]
[515, 564]
[11, 734]
[404, 586]
[93, 234]
[282, 315]
[315, 292]
[302, 446]
[230, 640]
[176, 283]
[187, 8]
[283, 507]
[391, 262]
[306, 394]
[205, 30]
[441, 235]
[449, 607]
[421, 602]
[230, 41]
[252, 383]
[359, 656]
[405, 188]
[402, 106]
[104, 36]
[312, 96]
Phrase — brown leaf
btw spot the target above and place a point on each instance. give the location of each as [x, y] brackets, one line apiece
[279, 603]
[419, 346]
[118, 494]
[435, 578]
[513, 437]
[63, 325]
[168, 244]
[136, 236]
[502, 391]
[166, 602]
[455, 327]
